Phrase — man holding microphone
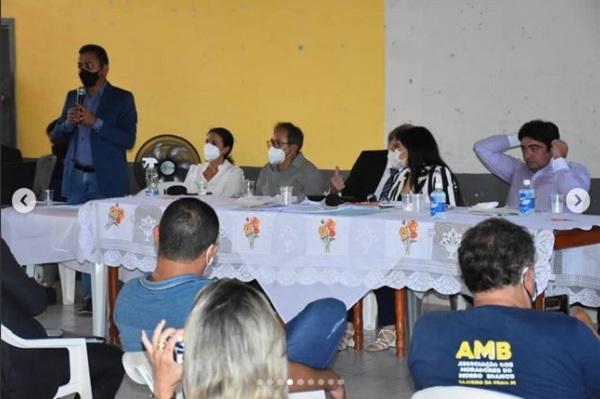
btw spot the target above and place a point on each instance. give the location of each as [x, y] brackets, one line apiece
[99, 121]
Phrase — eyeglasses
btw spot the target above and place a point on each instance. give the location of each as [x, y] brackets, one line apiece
[276, 143]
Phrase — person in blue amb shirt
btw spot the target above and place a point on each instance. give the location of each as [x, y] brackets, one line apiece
[501, 343]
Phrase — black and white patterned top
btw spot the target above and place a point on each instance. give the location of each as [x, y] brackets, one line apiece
[425, 183]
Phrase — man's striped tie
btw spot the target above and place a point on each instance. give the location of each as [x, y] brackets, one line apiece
[388, 185]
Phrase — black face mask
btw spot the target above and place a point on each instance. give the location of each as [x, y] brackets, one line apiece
[88, 78]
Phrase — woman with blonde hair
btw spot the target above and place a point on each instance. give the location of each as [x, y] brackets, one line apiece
[235, 348]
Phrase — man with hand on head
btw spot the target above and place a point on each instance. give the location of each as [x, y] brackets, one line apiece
[287, 165]
[99, 125]
[544, 163]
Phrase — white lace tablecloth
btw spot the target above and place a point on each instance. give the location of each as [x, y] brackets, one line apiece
[47, 234]
[577, 274]
[306, 252]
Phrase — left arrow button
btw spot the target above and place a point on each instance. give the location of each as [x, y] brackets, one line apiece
[23, 200]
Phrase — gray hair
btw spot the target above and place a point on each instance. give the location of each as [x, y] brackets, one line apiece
[234, 346]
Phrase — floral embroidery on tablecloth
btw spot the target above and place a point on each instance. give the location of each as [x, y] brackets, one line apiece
[366, 238]
[451, 241]
[327, 233]
[252, 230]
[146, 226]
[116, 215]
[408, 234]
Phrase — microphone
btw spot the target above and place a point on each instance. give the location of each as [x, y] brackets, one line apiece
[80, 95]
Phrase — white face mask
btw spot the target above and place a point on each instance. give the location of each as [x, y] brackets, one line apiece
[531, 295]
[211, 152]
[209, 261]
[276, 156]
[394, 159]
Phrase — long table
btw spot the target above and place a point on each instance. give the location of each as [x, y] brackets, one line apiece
[302, 253]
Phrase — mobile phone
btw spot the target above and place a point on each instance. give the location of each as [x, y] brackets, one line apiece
[178, 351]
[557, 303]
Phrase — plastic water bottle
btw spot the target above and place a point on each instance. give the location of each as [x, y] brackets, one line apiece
[526, 198]
[152, 188]
[438, 200]
[151, 176]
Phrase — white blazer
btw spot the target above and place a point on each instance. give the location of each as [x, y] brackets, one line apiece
[228, 181]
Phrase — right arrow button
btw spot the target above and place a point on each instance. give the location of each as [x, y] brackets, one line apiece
[578, 200]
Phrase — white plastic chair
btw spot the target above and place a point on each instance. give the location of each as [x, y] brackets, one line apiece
[137, 367]
[459, 392]
[79, 381]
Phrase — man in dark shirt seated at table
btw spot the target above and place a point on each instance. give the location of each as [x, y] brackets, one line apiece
[502, 344]
[37, 373]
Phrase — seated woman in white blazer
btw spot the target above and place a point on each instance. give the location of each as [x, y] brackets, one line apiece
[219, 174]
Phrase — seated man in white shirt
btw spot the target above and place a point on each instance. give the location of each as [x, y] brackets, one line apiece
[544, 163]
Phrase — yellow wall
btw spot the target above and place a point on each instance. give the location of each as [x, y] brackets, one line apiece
[197, 64]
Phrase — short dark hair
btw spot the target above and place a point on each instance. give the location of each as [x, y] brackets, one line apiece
[294, 133]
[540, 131]
[187, 228]
[227, 139]
[493, 254]
[98, 50]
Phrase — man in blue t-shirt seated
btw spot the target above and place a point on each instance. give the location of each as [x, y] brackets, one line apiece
[186, 238]
[501, 343]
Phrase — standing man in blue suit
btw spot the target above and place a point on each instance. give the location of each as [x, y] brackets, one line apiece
[100, 129]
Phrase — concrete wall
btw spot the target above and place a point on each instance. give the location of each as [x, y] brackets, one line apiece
[468, 69]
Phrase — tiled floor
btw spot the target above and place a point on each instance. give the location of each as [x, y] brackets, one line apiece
[367, 375]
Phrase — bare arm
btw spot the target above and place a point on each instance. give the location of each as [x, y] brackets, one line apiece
[301, 377]
[166, 372]
[582, 316]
